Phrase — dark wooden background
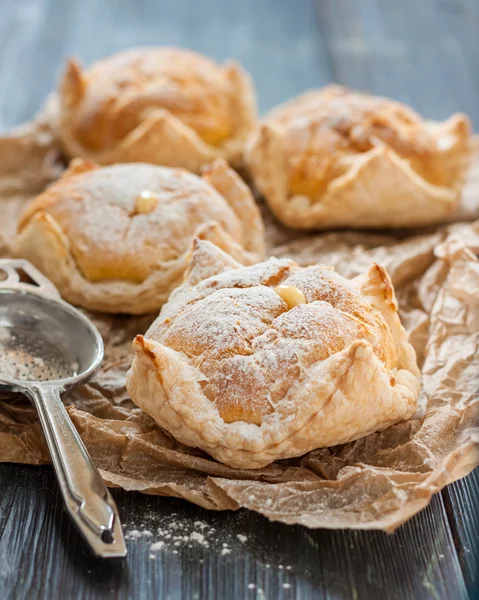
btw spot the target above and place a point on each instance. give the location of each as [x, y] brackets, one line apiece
[424, 52]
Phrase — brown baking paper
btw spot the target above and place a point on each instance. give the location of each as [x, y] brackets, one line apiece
[377, 482]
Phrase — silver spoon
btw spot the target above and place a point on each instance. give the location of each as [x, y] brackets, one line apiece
[47, 347]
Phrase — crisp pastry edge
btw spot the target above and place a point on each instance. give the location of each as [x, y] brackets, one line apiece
[333, 402]
[43, 238]
[379, 190]
[162, 137]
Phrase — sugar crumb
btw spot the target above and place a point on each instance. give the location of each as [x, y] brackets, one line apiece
[157, 545]
[134, 534]
[171, 535]
[196, 536]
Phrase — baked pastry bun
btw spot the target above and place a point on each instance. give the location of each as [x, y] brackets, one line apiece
[338, 158]
[118, 238]
[165, 106]
[259, 363]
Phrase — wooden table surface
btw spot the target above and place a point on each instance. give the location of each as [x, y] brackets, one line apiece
[423, 52]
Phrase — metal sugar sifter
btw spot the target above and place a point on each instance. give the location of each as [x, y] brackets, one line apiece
[47, 347]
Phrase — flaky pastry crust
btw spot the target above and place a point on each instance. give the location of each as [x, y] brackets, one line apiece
[166, 106]
[118, 238]
[337, 158]
[230, 367]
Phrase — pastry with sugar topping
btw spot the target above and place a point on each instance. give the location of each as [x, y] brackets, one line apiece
[118, 238]
[338, 158]
[265, 362]
[166, 106]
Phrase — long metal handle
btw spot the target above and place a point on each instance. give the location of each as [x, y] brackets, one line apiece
[87, 499]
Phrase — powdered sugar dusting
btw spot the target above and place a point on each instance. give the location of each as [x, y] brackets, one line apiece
[110, 239]
[174, 534]
[249, 346]
[134, 534]
[157, 546]
[334, 125]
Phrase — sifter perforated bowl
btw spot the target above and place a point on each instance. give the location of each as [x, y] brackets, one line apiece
[47, 347]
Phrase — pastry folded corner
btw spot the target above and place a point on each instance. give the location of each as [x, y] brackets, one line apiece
[336, 158]
[348, 395]
[61, 231]
[379, 189]
[95, 104]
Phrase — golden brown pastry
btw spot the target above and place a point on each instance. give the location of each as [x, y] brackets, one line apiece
[259, 363]
[165, 106]
[337, 158]
[118, 238]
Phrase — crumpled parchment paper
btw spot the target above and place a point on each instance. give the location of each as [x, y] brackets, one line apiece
[377, 482]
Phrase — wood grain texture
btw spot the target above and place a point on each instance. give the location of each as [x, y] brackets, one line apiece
[424, 53]
[461, 500]
[278, 43]
[39, 550]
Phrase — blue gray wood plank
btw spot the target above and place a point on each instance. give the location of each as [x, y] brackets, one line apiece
[40, 556]
[461, 502]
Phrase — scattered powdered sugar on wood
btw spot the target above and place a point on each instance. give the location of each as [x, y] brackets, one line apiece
[134, 534]
[157, 546]
[173, 534]
[196, 536]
